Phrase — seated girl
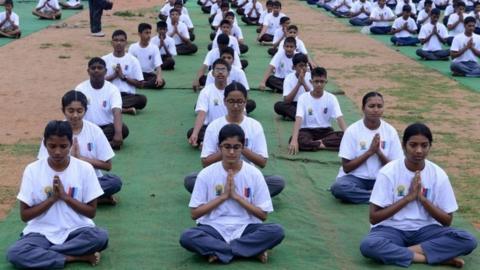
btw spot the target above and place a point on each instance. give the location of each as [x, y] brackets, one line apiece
[48, 10]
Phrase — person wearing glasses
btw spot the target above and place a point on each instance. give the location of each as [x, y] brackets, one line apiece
[255, 147]
[230, 201]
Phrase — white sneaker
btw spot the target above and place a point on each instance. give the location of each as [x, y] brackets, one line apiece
[98, 34]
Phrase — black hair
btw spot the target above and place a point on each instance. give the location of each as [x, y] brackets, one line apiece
[461, 4]
[230, 131]
[469, 19]
[224, 4]
[269, 3]
[299, 58]
[72, 96]
[230, 13]
[290, 40]
[284, 19]
[58, 128]
[119, 32]
[220, 61]
[435, 11]
[476, 4]
[228, 50]
[292, 26]
[276, 4]
[174, 10]
[224, 21]
[427, 2]
[319, 72]
[97, 60]
[235, 86]
[8, 2]
[161, 24]
[369, 95]
[406, 8]
[223, 39]
[144, 26]
[417, 129]
[178, 2]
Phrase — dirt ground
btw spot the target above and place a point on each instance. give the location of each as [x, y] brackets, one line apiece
[356, 62]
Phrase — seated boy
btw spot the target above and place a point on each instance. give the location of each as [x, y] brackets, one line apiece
[403, 3]
[185, 18]
[241, 6]
[226, 28]
[455, 23]
[266, 11]
[48, 10]
[403, 28]
[432, 35]
[360, 13]
[71, 4]
[341, 8]
[179, 32]
[105, 103]
[236, 31]
[229, 221]
[425, 14]
[252, 12]
[58, 200]
[166, 44]
[279, 35]
[476, 14]
[220, 16]
[294, 85]
[292, 31]
[165, 11]
[381, 17]
[9, 22]
[125, 72]
[149, 57]
[465, 51]
[280, 66]
[271, 22]
[312, 130]
[209, 103]
[207, 5]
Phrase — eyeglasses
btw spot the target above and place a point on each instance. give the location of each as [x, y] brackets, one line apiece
[238, 101]
[229, 147]
[222, 70]
[319, 81]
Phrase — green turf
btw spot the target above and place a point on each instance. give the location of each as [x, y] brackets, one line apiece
[29, 23]
[440, 66]
[145, 226]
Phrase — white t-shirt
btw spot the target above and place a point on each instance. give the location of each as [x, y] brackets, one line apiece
[169, 44]
[148, 57]
[220, 16]
[421, 6]
[398, 24]
[72, 3]
[272, 22]
[254, 137]
[236, 74]
[282, 64]
[214, 9]
[13, 18]
[92, 143]
[299, 49]
[130, 67]
[357, 140]
[183, 18]
[232, 43]
[182, 29]
[387, 15]
[357, 6]
[230, 219]
[165, 11]
[460, 28]
[101, 102]
[262, 16]
[421, 16]
[399, 8]
[49, 6]
[472, 14]
[79, 181]
[236, 31]
[278, 35]
[210, 100]
[291, 81]
[342, 7]
[393, 183]
[434, 43]
[214, 54]
[249, 7]
[460, 41]
[449, 10]
[318, 112]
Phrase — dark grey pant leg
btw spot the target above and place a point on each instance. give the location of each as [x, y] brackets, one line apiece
[83, 241]
[189, 181]
[275, 183]
[32, 251]
[206, 241]
[351, 189]
[109, 131]
[133, 100]
[274, 83]
[110, 184]
[256, 239]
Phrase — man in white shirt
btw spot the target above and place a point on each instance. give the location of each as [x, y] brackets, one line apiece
[166, 44]
[71, 4]
[403, 28]
[125, 72]
[9, 22]
[149, 57]
[279, 35]
[179, 32]
[165, 11]
[185, 18]
[47, 10]
[268, 10]
[465, 51]
[455, 23]
[401, 4]
[342, 8]
[360, 13]
[252, 12]
[271, 23]
[432, 35]
[280, 66]
[381, 17]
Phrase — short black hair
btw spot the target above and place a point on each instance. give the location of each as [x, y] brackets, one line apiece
[8, 2]
[290, 40]
[144, 26]
[235, 86]
[223, 39]
[225, 22]
[461, 4]
[228, 50]
[161, 24]
[224, 5]
[369, 95]
[58, 128]
[97, 60]
[319, 72]
[299, 58]
[469, 19]
[284, 19]
[269, 3]
[276, 4]
[435, 11]
[292, 26]
[428, 2]
[417, 129]
[406, 8]
[220, 61]
[119, 32]
[230, 131]
[174, 10]
[72, 96]
[230, 13]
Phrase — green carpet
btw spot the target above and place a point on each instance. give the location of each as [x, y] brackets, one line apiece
[29, 23]
[145, 226]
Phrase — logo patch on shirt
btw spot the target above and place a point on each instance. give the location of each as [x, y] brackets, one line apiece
[72, 191]
[104, 104]
[363, 145]
[383, 144]
[48, 191]
[401, 191]
[218, 189]
[126, 67]
[325, 111]
[90, 146]
[310, 111]
[246, 192]
[426, 192]
[215, 102]
[149, 57]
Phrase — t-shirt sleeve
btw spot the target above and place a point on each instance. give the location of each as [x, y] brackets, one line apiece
[456, 44]
[261, 195]
[116, 98]
[202, 101]
[423, 32]
[25, 194]
[275, 62]
[445, 198]
[347, 145]
[210, 141]
[172, 48]
[157, 58]
[397, 24]
[337, 112]
[242, 78]
[137, 69]
[288, 85]
[200, 191]
[259, 142]
[103, 151]
[396, 151]
[42, 152]
[381, 191]
[91, 187]
[301, 107]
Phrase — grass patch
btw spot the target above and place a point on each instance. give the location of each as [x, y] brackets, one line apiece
[46, 45]
[7, 193]
[66, 45]
[64, 57]
[128, 13]
[20, 149]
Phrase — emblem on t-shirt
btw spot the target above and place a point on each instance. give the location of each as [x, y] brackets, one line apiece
[383, 144]
[401, 191]
[104, 103]
[90, 146]
[325, 111]
[363, 145]
[426, 192]
[126, 67]
[48, 191]
[282, 65]
[149, 57]
[310, 111]
[215, 102]
[218, 189]
[72, 191]
[246, 192]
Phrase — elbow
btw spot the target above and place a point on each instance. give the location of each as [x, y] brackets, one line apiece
[373, 220]
[347, 169]
[205, 163]
[92, 214]
[24, 218]
[263, 163]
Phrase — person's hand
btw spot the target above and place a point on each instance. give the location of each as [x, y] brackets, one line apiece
[175, 28]
[381, 17]
[75, 151]
[470, 43]
[405, 26]
[195, 85]
[117, 140]
[293, 147]
[262, 86]
[301, 77]
[434, 29]
[415, 187]
[58, 190]
[193, 139]
[374, 145]
[158, 81]
[229, 189]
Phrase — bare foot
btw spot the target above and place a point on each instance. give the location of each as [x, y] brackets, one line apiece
[92, 259]
[263, 257]
[455, 262]
[131, 111]
[212, 259]
[111, 200]
[321, 146]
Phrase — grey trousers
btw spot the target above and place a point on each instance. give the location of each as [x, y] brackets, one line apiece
[275, 183]
[467, 68]
[110, 184]
[256, 238]
[351, 189]
[35, 251]
[434, 55]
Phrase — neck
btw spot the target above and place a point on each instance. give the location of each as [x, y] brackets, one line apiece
[232, 166]
[371, 124]
[118, 53]
[143, 43]
[317, 93]
[60, 166]
[97, 84]
[77, 127]
[235, 118]
[220, 85]
[413, 167]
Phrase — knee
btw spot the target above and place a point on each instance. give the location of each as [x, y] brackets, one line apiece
[187, 236]
[251, 105]
[277, 231]
[369, 246]
[125, 131]
[142, 102]
[101, 238]
[278, 107]
[189, 182]
[14, 254]
[469, 242]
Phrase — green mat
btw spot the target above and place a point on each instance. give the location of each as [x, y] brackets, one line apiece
[29, 23]
[145, 226]
[440, 66]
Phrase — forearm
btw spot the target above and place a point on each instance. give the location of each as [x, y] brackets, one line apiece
[98, 164]
[111, 77]
[135, 83]
[208, 207]
[252, 209]
[255, 158]
[296, 128]
[291, 96]
[199, 120]
[88, 210]
[267, 74]
[438, 214]
[117, 120]
[383, 159]
[341, 123]
[378, 214]
[211, 159]
[201, 71]
[28, 213]
[350, 165]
